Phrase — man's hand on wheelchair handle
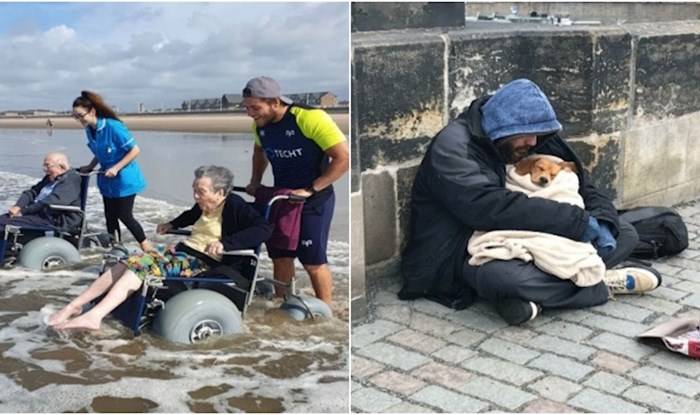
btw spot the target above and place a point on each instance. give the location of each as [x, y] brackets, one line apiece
[164, 228]
[251, 188]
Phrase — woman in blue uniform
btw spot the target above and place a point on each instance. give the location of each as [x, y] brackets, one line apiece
[115, 150]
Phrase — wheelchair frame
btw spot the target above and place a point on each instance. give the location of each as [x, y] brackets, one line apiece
[140, 308]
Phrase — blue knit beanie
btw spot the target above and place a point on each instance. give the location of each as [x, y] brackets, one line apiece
[518, 107]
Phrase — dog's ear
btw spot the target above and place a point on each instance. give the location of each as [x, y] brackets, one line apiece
[568, 165]
[524, 166]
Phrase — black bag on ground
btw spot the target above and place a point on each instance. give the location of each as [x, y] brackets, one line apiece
[661, 231]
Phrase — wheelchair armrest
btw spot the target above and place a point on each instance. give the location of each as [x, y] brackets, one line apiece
[66, 208]
[186, 232]
[241, 252]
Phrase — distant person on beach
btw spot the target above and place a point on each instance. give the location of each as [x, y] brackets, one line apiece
[115, 150]
[220, 220]
[308, 152]
[49, 123]
[59, 186]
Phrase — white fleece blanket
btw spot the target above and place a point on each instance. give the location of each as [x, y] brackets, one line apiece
[562, 257]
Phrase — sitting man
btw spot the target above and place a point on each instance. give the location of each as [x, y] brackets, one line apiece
[460, 188]
[60, 186]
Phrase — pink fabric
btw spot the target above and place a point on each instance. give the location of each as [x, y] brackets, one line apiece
[285, 218]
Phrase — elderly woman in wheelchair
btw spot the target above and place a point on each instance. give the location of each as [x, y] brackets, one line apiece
[221, 221]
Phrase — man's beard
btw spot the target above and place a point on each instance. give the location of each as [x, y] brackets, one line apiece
[514, 154]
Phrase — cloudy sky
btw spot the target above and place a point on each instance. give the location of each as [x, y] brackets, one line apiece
[162, 53]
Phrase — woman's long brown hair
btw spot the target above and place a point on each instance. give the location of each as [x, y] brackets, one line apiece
[90, 100]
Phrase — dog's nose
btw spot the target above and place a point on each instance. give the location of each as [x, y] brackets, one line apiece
[543, 181]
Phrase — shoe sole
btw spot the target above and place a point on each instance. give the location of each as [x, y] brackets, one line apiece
[515, 311]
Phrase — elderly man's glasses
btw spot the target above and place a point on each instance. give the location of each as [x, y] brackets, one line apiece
[49, 165]
[80, 116]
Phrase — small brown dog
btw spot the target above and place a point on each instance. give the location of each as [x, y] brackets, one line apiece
[542, 169]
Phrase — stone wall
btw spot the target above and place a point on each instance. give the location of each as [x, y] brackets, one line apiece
[605, 12]
[628, 97]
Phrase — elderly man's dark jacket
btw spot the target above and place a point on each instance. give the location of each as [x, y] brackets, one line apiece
[460, 188]
[66, 192]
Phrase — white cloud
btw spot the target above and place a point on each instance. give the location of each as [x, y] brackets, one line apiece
[167, 52]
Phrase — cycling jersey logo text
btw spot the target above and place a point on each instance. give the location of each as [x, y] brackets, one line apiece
[282, 153]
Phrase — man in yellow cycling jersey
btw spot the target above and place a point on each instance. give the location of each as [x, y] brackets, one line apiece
[308, 152]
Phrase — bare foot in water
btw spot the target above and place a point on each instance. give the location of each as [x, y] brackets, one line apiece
[64, 314]
[83, 322]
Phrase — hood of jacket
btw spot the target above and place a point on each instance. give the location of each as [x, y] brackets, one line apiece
[518, 107]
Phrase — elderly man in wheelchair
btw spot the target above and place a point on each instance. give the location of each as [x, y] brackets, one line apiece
[221, 221]
[51, 204]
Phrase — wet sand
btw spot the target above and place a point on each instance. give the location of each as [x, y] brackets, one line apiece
[190, 123]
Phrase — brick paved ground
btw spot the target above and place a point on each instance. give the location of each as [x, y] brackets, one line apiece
[422, 357]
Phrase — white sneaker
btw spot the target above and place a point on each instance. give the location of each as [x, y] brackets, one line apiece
[632, 280]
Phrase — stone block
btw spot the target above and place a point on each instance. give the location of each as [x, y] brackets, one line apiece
[600, 156]
[397, 15]
[624, 346]
[560, 62]
[372, 400]
[594, 401]
[611, 103]
[355, 167]
[666, 69]
[404, 184]
[663, 379]
[613, 363]
[509, 372]
[555, 388]
[393, 356]
[358, 293]
[358, 308]
[448, 401]
[498, 393]
[561, 366]
[379, 209]
[664, 401]
[656, 156]
[398, 85]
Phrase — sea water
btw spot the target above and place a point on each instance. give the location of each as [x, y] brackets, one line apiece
[276, 365]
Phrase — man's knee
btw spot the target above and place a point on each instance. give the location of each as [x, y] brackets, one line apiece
[316, 269]
[628, 235]
[499, 279]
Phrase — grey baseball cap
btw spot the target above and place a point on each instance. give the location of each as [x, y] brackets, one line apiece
[264, 87]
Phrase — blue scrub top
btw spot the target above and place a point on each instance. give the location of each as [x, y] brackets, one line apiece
[110, 142]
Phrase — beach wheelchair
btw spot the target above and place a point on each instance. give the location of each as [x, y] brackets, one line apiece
[209, 304]
[47, 248]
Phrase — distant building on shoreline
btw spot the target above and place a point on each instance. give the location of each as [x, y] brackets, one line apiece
[323, 99]
[27, 113]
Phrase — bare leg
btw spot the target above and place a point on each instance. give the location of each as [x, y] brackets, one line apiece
[96, 289]
[146, 246]
[119, 292]
[322, 281]
[283, 270]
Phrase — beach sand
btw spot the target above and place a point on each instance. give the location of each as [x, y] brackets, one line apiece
[189, 123]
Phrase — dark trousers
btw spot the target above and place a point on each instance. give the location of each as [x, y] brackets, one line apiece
[29, 220]
[122, 209]
[515, 278]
